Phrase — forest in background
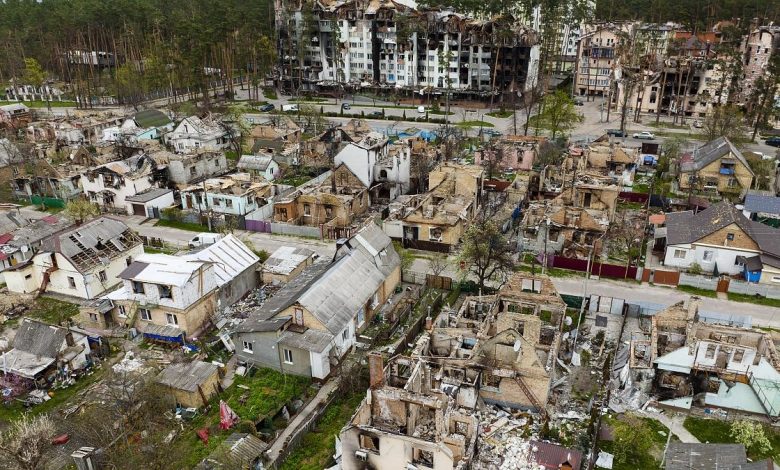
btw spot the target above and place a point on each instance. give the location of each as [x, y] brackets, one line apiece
[158, 44]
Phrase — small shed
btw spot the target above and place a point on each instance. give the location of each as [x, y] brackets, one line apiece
[285, 263]
[259, 165]
[192, 384]
[150, 202]
[239, 450]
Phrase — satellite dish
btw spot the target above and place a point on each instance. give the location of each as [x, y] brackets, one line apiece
[517, 345]
[567, 321]
[24, 249]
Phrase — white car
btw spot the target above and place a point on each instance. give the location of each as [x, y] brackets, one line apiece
[644, 135]
[421, 109]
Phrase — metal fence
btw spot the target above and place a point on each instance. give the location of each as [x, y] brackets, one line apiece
[701, 282]
[750, 288]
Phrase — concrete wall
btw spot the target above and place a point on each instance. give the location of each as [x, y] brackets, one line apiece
[180, 170]
[189, 321]
[239, 286]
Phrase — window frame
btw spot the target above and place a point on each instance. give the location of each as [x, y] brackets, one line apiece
[287, 356]
[169, 316]
[145, 314]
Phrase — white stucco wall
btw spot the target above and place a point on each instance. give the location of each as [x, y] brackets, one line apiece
[129, 187]
[183, 296]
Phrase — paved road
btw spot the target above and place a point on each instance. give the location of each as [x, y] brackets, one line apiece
[762, 315]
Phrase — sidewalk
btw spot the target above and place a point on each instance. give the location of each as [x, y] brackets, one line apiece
[675, 424]
[293, 427]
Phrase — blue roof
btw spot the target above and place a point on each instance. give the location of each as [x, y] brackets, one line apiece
[761, 203]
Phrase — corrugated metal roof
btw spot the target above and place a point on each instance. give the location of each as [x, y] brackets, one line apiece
[230, 257]
[310, 340]
[551, 456]
[39, 338]
[148, 195]
[690, 456]
[285, 259]
[254, 162]
[162, 269]
[187, 376]
[239, 448]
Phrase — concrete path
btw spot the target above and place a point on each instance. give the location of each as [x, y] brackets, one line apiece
[675, 424]
[293, 428]
[230, 373]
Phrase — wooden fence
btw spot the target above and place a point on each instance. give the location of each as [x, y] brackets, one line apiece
[596, 268]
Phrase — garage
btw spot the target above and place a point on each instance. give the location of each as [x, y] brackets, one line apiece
[150, 203]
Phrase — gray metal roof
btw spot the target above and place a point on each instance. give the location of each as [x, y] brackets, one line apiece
[686, 227]
[38, 230]
[690, 456]
[254, 162]
[711, 151]
[135, 268]
[334, 292]
[187, 376]
[273, 324]
[39, 338]
[310, 340]
[230, 256]
[286, 259]
[762, 203]
[148, 195]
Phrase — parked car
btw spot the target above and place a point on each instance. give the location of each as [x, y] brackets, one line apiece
[345, 106]
[421, 110]
[267, 107]
[288, 108]
[579, 103]
[375, 114]
[491, 132]
[204, 238]
[698, 124]
[644, 135]
[773, 141]
[616, 133]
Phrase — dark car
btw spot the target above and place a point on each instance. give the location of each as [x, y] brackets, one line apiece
[616, 133]
[773, 141]
[267, 107]
[375, 114]
[345, 106]
[579, 103]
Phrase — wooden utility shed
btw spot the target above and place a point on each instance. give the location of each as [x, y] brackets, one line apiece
[191, 383]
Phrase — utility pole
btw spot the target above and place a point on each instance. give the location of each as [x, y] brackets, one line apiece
[582, 304]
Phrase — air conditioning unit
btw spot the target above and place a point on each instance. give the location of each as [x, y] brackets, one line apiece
[360, 455]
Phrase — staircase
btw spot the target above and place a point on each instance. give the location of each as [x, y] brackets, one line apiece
[530, 395]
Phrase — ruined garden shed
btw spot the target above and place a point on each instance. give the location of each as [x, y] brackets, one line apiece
[191, 384]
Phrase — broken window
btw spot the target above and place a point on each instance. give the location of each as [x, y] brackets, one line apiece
[165, 292]
[102, 276]
[423, 457]
[93, 317]
[145, 314]
[248, 346]
[329, 212]
[172, 319]
[490, 380]
[71, 282]
[307, 209]
[369, 442]
[138, 287]
[710, 353]
[122, 311]
[298, 317]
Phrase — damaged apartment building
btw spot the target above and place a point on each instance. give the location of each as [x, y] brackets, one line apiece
[385, 42]
[423, 411]
[689, 361]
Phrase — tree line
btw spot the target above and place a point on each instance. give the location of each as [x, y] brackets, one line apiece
[132, 47]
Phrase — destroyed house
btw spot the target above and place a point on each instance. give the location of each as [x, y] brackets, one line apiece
[416, 415]
[701, 456]
[511, 339]
[335, 204]
[438, 219]
[194, 133]
[39, 349]
[193, 167]
[312, 321]
[285, 263]
[694, 363]
[24, 241]
[82, 261]
[46, 180]
[234, 194]
[110, 185]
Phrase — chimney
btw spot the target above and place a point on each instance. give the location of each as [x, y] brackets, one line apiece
[376, 369]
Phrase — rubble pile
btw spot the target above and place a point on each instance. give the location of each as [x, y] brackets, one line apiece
[504, 439]
[129, 364]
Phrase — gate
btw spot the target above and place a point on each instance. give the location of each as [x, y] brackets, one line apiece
[723, 285]
[438, 282]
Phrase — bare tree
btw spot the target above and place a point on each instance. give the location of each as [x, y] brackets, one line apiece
[531, 98]
[485, 250]
[438, 264]
[24, 443]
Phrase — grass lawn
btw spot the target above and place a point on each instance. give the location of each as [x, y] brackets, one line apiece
[716, 431]
[440, 112]
[640, 188]
[697, 291]
[752, 299]
[311, 99]
[14, 409]
[499, 114]
[391, 106]
[647, 461]
[231, 155]
[317, 447]
[269, 93]
[182, 225]
[294, 180]
[52, 311]
[474, 124]
[160, 250]
[268, 391]
[42, 104]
